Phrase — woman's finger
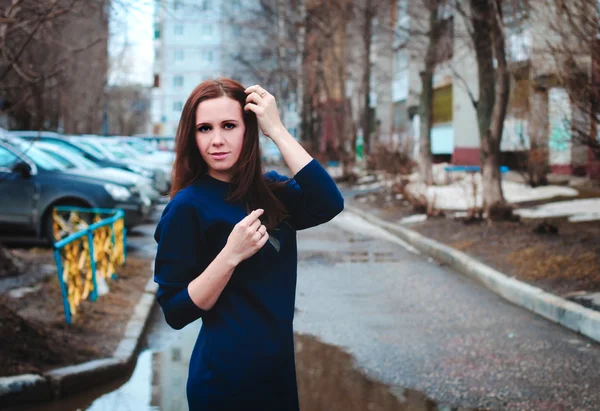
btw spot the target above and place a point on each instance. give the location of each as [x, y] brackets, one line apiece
[255, 225]
[252, 217]
[254, 108]
[263, 240]
[257, 89]
[254, 98]
[262, 229]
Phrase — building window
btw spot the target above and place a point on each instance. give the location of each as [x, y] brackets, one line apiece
[178, 55]
[207, 5]
[442, 105]
[177, 106]
[177, 4]
[207, 30]
[207, 56]
[178, 81]
[156, 80]
[179, 29]
[156, 31]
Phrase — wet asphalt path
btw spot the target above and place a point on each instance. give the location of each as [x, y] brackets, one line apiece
[407, 322]
[411, 322]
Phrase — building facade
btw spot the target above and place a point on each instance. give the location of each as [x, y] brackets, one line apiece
[532, 37]
[196, 40]
[190, 46]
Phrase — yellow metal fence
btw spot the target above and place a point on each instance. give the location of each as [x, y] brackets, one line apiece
[89, 246]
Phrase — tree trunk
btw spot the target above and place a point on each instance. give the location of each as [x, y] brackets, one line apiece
[426, 98]
[426, 101]
[538, 129]
[367, 40]
[300, 58]
[494, 88]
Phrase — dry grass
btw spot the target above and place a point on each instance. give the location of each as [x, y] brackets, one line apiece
[540, 262]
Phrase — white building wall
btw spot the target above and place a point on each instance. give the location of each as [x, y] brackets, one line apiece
[188, 52]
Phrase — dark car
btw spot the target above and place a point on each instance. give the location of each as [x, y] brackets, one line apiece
[32, 183]
[80, 146]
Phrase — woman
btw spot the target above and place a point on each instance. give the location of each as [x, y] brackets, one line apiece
[227, 247]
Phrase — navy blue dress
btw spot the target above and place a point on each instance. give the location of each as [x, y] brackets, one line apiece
[244, 355]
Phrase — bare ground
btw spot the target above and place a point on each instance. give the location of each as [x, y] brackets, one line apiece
[34, 336]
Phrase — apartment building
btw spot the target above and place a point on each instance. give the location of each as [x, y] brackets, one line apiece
[535, 82]
[191, 39]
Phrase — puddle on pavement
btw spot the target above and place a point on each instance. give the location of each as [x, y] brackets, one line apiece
[327, 381]
[337, 257]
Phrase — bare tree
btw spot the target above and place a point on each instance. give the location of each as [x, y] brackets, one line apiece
[486, 28]
[368, 13]
[574, 49]
[128, 109]
[433, 54]
[54, 54]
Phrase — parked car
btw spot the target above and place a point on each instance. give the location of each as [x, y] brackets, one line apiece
[90, 151]
[117, 151]
[74, 161]
[143, 147]
[162, 143]
[32, 183]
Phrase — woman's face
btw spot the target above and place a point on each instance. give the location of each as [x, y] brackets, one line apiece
[219, 135]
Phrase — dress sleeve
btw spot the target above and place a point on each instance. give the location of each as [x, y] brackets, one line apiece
[311, 196]
[178, 261]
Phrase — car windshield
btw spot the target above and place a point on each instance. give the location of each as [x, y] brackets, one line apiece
[127, 150]
[40, 158]
[74, 148]
[75, 158]
[141, 146]
[55, 156]
[95, 150]
[119, 151]
[78, 152]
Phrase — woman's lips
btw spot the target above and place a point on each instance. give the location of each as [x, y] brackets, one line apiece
[219, 156]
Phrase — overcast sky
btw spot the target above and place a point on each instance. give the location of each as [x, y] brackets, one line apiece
[131, 46]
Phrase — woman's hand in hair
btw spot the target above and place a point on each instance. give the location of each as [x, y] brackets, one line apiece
[263, 104]
[247, 237]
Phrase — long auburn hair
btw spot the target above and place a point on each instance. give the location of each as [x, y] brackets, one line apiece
[247, 182]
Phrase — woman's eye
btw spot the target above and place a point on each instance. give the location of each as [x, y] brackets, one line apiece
[203, 129]
[229, 126]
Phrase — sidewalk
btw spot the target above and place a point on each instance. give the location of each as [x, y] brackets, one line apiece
[547, 304]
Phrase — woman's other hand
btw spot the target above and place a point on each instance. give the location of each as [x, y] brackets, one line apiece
[247, 237]
[263, 104]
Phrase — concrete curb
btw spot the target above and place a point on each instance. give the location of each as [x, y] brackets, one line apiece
[57, 383]
[566, 313]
